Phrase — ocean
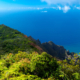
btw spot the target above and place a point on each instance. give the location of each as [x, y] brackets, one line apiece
[47, 25]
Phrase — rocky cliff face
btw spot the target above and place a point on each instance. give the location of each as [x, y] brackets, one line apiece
[55, 50]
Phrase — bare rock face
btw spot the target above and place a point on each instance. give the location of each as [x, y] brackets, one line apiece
[55, 50]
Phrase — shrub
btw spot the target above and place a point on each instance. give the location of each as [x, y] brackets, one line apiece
[76, 76]
[50, 65]
[20, 55]
[9, 60]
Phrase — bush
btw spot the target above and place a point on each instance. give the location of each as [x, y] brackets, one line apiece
[9, 59]
[43, 65]
[20, 55]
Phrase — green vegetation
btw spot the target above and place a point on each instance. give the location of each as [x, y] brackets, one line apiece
[11, 41]
[34, 66]
[9, 33]
[21, 61]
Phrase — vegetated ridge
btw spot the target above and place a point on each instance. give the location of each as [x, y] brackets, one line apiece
[24, 58]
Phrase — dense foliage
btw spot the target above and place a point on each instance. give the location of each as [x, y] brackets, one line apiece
[34, 66]
[9, 33]
[22, 61]
[11, 41]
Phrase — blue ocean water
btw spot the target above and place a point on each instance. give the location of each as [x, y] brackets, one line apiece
[53, 25]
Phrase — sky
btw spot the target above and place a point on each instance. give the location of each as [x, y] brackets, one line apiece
[63, 5]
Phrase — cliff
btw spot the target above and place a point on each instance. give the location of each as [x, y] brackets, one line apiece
[55, 50]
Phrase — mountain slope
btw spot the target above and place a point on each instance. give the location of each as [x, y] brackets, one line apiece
[29, 62]
[11, 41]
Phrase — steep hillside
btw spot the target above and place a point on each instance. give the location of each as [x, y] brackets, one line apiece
[11, 41]
[24, 58]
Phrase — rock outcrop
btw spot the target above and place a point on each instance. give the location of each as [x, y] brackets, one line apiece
[55, 50]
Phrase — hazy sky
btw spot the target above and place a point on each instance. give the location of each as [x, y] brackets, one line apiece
[64, 5]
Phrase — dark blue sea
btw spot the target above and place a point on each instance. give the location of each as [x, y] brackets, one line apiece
[54, 25]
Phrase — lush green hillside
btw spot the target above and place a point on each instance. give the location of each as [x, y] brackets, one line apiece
[12, 41]
[9, 33]
[21, 59]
